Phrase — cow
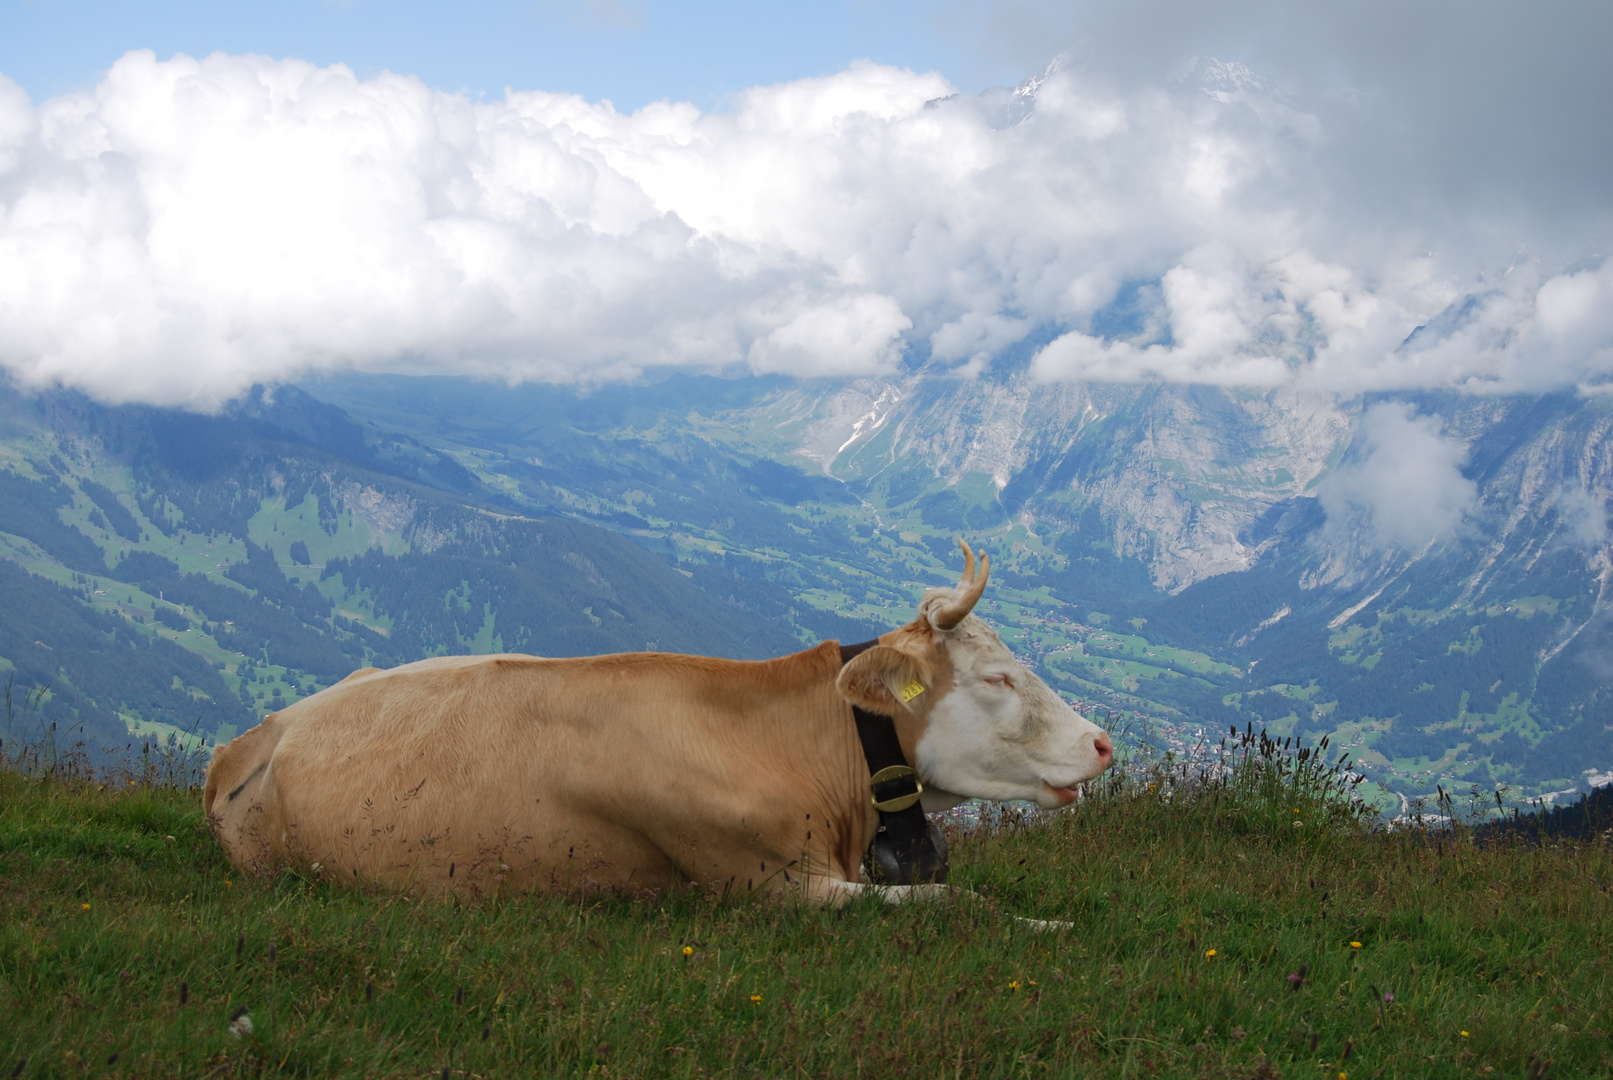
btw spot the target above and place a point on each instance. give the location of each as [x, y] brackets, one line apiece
[640, 772]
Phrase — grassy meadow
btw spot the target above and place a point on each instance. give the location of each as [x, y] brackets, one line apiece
[1249, 923]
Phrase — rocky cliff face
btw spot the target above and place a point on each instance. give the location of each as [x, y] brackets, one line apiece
[1180, 473]
[1195, 481]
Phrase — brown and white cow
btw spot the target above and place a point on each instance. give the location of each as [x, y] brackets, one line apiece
[639, 771]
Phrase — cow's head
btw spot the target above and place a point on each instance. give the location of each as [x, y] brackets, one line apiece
[973, 720]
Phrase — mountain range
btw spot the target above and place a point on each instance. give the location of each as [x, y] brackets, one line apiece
[1420, 577]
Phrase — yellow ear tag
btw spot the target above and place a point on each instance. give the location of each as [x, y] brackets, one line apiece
[912, 690]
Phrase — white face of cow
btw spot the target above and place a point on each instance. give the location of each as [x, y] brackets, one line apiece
[1001, 733]
[993, 730]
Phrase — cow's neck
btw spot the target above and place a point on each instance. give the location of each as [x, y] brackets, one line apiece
[907, 849]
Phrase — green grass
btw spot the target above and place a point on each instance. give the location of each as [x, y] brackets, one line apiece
[126, 934]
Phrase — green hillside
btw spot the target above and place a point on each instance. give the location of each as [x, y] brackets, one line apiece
[163, 573]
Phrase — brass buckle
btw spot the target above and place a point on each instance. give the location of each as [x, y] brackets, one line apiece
[901, 802]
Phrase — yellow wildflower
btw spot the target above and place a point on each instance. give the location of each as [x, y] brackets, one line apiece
[756, 999]
[1355, 944]
[1209, 954]
[86, 907]
[688, 950]
[1464, 1035]
[1014, 985]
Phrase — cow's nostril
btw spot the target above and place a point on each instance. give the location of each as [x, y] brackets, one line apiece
[1104, 747]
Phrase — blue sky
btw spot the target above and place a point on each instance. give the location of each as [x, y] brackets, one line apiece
[630, 51]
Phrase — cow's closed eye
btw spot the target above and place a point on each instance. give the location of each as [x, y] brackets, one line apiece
[1000, 680]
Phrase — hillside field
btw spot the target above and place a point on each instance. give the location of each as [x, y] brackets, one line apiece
[1250, 926]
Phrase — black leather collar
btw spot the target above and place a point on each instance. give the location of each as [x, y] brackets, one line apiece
[908, 849]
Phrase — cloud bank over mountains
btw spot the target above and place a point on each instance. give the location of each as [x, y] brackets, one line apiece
[1403, 484]
[189, 227]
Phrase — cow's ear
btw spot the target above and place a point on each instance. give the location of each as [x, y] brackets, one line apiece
[884, 680]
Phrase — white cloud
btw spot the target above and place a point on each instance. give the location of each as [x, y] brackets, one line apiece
[1584, 517]
[1218, 324]
[1402, 485]
[189, 227]
[853, 336]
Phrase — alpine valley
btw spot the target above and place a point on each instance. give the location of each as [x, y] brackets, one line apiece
[1168, 555]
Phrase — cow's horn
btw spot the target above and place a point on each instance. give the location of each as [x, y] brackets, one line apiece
[969, 588]
[968, 565]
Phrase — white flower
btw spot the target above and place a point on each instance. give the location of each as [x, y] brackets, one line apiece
[241, 1025]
